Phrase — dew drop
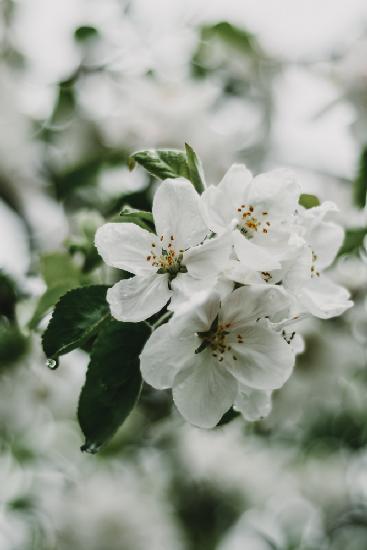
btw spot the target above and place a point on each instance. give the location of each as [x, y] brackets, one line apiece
[52, 364]
[89, 447]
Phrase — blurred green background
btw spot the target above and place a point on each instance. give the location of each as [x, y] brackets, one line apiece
[82, 85]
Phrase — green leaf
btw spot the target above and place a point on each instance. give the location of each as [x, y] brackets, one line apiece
[163, 163]
[353, 240]
[230, 415]
[196, 173]
[308, 201]
[113, 381]
[139, 217]
[171, 163]
[78, 316]
[360, 183]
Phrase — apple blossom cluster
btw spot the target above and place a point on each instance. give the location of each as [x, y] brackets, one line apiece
[230, 272]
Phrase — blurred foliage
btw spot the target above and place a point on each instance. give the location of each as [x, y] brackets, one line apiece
[360, 183]
[230, 35]
[13, 343]
[60, 275]
[206, 509]
[353, 240]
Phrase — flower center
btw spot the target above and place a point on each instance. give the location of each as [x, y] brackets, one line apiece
[252, 220]
[266, 276]
[167, 260]
[215, 339]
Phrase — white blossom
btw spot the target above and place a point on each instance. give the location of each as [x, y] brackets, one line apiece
[216, 354]
[258, 209]
[181, 249]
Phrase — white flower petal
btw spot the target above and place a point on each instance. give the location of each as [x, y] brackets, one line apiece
[253, 256]
[204, 391]
[239, 273]
[316, 215]
[138, 298]
[323, 298]
[199, 313]
[325, 241]
[126, 246]
[177, 212]
[253, 404]
[189, 292]
[209, 258]
[164, 355]
[247, 304]
[297, 271]
[264, 360]
[220, 202]
[278, 191]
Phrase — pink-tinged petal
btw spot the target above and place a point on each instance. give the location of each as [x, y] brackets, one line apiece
[204, 391]
[126, 246]
[177, 213]
[138, 298]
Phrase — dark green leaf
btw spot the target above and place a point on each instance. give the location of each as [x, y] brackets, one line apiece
[228, 417]
[360, 183]
[139, 217]
[163, 163]
[113, 381]
[353, 240]
[79, 315]
[196, 175]
[170, 163]
[308, 201]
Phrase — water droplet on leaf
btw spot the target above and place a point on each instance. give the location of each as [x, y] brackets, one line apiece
[89, 447]
[52, 364]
